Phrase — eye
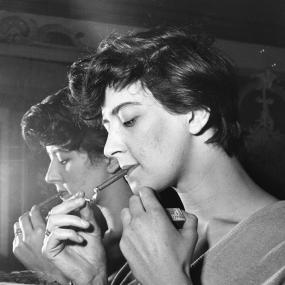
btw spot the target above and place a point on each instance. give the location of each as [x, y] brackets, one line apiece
[64, 161]
[130, 123]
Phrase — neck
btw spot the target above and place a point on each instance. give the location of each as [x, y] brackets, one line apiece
[217, 187]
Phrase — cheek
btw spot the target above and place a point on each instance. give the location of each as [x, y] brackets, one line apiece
[97, 177]
[74, 178]
[149, 145]
[72, 181]
[157, 138]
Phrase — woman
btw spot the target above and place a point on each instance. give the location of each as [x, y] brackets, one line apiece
[169, 103]
[77, 164]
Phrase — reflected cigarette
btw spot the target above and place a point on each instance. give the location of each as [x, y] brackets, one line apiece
[175, 214]
[56, 199]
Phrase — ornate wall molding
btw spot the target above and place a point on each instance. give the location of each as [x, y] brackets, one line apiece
[261, 107]
[51, 38]
[44, 38]
[16, 29]
[240, 20]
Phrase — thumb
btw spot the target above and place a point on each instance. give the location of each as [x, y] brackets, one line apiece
[189, 230]
[92, 213]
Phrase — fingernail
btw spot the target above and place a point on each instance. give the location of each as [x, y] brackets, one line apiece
[80, 238]
[79, 194]
[85, 223]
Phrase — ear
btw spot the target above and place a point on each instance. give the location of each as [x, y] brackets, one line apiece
[197, 120]
[112, 164]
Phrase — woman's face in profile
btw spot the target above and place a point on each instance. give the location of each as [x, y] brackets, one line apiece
[141, 132]
[73, 171]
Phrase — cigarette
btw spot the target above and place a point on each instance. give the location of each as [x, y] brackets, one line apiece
[110, 180]
[175, 214]
[56, 199]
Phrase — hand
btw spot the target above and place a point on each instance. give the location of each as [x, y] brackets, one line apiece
[74, 243]
[27, 245]
[156, 252]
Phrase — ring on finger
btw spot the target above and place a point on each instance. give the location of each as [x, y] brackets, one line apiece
[47, 216]
[47, 232]
[18, 232]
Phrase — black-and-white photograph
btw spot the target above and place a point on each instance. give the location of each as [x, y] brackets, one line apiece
[142, 142]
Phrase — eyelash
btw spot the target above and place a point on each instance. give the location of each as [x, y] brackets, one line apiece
[64, 161]
[130, 123]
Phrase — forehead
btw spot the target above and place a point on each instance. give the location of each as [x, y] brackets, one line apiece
[54, 149]
[134, 94]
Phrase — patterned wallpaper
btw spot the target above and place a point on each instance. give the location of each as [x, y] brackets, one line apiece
[261, 107]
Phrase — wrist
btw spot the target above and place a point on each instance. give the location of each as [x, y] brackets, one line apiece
[185, 279]
[53, 275]
[100, 279]
[180, 277]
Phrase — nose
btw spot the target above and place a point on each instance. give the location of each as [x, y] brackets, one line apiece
[113, 145]
[53, 173]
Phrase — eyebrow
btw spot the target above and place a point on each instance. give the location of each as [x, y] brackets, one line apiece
[59, 150]
[117, 109]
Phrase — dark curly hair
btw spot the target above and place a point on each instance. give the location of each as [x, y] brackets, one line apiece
[51, 122]
[183, 71]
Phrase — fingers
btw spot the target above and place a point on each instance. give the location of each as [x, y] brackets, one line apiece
[30, 224]
[135, 208]
[92, 213]
[17, 230]
[63, 215]
[25, 223]
[65, 234]
[145, 203]
[149, 200]
[74, 203]
[36, 218]
[18, 239]
[135, 205]
[191, 222]
[57, 237]
[58, 220]
[125, 217]
[18, 243]
[189, 229]
[88, 214]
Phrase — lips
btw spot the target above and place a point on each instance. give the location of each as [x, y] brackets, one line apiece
[64, 194]
[130, 168]
[112, 166]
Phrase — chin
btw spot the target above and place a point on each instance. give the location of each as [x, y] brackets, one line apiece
[136, 185]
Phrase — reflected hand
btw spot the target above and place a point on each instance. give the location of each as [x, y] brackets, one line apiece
[156, 251]
[74, 244]
[27, 245]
